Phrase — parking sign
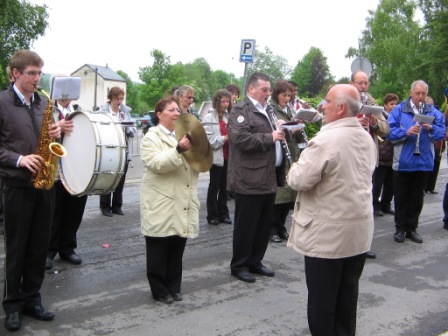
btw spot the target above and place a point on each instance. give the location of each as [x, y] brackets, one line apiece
[247, 51]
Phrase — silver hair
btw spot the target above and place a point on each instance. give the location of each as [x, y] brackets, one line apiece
[419, 83]
[184, 90]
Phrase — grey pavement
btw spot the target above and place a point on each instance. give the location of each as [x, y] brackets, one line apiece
[402, 292]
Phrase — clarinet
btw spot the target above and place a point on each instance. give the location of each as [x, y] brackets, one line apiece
[417, 142]
[284, 144]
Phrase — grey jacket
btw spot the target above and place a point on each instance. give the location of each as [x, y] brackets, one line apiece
[216, 140]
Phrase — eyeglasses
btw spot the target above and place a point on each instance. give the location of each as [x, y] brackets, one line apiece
[33, 73]
[189, 97]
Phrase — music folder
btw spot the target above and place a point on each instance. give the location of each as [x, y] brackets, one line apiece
[305, 114]
[65, 88]
[423, 119]
[371, 109]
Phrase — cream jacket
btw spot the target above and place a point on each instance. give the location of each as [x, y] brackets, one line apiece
[333, 214]
[169, 204]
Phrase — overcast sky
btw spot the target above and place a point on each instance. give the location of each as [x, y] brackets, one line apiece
[122, 34]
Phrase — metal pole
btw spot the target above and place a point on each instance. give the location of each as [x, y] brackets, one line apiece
[94, 94]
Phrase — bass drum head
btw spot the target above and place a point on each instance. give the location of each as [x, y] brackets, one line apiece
[77, 166]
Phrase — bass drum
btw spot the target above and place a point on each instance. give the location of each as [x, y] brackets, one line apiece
[96, 154]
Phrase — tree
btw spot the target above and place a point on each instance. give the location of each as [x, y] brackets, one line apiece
[21, 23]
[274, 66]
[391, 41]
[132, 94]
[312, 73]
[159, 78]
[435, 46]
[200, 77]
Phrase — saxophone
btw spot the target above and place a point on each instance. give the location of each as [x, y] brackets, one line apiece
[48, 149]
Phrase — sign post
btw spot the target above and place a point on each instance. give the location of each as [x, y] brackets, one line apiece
[247, 53]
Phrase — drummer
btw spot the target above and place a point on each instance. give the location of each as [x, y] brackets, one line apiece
[111, 203]
[169, 205]
[69, 210]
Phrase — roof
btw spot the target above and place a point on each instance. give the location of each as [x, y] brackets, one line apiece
[104, 72]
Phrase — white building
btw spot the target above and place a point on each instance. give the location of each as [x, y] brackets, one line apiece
[96, 81]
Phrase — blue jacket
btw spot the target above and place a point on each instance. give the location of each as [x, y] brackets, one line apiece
[400, 120]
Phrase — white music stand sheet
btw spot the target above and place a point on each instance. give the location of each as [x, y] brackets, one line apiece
[292, 126]
[423, 119]
[65, 88]
[305, 114]
[371, 109]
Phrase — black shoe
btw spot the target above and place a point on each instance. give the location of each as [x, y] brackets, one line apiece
[370, 255]
[414, 236]
[38, 312]
[283, 235]
[431, 192]
[107, 212]
[13, 321]
[72, 258]
[263, 270]
[118, 211]
[399, 236]
[388, 211]
[48, 263]
[378, 213]
[275, 238]
[177, 297]
[213, 221]
[244, 276]
[167, 299]
[445, 226]
[226, 221]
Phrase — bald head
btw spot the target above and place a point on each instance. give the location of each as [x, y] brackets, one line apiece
[342, 101]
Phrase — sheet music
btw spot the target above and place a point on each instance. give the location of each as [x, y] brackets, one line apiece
[305, 114]
[68, 88]
[371, 109]
[421, 118]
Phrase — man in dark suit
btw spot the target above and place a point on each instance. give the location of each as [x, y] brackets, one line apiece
[255, 153]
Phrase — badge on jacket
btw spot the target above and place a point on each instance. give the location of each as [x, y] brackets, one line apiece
[240, 119]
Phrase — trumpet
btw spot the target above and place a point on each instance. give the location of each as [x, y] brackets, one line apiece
[417, 141]
[284, 144]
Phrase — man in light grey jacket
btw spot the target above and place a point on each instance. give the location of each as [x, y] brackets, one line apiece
[333, 239]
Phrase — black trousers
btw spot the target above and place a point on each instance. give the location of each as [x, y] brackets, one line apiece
[432, 178]
[66, 221]
[27, 222]
[409, 188]
[217, 193]
[116, 196]
[279, 216]
[164, 264]
[333, 286]
[253, 215]
[383, 180]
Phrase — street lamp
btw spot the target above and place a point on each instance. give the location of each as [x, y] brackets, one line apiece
[96, 85]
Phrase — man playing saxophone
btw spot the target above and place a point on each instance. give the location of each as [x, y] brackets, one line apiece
[27, 210]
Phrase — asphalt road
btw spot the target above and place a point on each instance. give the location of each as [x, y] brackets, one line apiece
[403, 292]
